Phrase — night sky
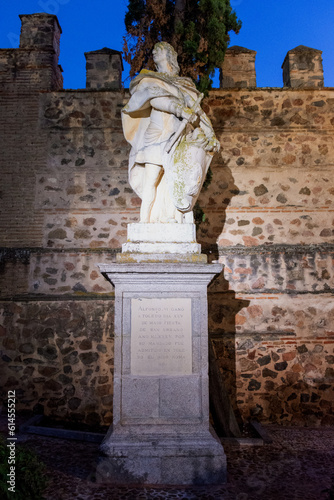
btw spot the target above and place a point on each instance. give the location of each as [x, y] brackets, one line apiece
[270, 27]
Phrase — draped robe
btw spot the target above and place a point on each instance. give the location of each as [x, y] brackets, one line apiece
[150, 132]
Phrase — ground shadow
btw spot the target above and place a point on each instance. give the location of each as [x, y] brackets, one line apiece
[223, 306]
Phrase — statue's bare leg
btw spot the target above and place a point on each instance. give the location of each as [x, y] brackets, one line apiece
[151, 180]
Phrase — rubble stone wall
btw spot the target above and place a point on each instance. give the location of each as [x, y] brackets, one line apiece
[58, 357]
[268, 216]
[269, 207]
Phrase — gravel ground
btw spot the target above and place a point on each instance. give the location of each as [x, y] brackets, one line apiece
[297, 465]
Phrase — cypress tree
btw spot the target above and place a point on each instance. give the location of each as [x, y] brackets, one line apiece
[197, 29]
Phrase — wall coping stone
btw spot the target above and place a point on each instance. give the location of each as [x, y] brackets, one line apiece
[41, 15]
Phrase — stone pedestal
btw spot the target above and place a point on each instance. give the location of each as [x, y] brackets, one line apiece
[161, 432]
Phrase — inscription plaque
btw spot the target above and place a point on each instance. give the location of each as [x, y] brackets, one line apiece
[161, 336]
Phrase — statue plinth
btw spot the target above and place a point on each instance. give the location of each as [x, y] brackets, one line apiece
[161, 243]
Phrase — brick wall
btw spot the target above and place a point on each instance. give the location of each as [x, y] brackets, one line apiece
[269, 218]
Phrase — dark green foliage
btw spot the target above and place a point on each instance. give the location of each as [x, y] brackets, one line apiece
[136, 9]
[30, 474]
[197, 29]
[208, 179]
[199, 215]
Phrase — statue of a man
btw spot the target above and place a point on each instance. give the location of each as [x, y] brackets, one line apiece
[172, 140]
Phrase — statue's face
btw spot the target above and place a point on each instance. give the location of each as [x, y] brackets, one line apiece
[165, 58]
[160, 60]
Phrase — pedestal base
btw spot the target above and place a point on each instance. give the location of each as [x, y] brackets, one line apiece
[161, 432]
[197, 459]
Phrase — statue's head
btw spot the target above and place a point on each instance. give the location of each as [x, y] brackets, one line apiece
[165, 58]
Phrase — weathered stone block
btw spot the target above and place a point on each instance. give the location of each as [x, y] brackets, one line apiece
[140, 399]
[104, 69]
[238, 69]
[302, 68]
[180, 397]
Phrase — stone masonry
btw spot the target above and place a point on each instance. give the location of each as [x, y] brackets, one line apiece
[302, 67]
[238, 69]
[104, 69]
[268, 217]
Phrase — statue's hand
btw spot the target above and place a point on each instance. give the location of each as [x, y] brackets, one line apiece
[206, 139]
[189, 115]
[212, 145]
[189, 101]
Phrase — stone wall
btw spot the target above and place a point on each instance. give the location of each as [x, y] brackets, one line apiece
[270, 209]
[268, 217]
[59, 357]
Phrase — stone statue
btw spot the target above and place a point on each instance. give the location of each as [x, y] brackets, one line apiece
[172, 140]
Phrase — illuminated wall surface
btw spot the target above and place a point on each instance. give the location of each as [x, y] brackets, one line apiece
[269, 218]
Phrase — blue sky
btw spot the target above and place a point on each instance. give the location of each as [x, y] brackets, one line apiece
[270, 27]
